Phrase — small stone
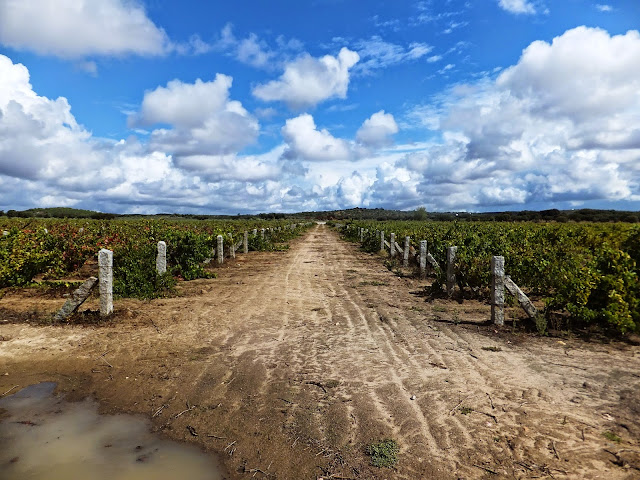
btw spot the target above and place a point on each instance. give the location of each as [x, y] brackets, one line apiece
[413, 397]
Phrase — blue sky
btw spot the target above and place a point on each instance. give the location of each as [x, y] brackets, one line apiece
[251, 106]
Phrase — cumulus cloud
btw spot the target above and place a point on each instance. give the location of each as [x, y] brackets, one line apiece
[79, 28]
[517, 6]
[376, 131]
[204, 120]
[308, 81]
[306, 142]
[36, 133]
[559, 126]
[47, 158]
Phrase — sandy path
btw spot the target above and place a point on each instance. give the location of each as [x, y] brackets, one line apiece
[300, 359]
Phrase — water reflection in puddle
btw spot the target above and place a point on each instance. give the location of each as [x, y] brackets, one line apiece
[44, 437]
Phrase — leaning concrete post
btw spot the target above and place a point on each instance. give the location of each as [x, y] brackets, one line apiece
[392, 245]
[105, 280]
[220, 251]
[262, 233]
[423, 257]
[497, 290]
[382, 241]
[405, 258]
[245, 242]
[451, 276]
[161, 258]
[77, 298]
[232, 248]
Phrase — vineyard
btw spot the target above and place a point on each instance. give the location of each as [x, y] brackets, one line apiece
[585, 273]
[50, 249]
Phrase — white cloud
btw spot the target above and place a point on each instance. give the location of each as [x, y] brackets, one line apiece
[375, 53]
[250, 50]
[376, 131]
[79, 28]
[353, 190]
[255, 51]
[306, 142]
[604, 8]
[559, 126]
[517, 6]
[205, 120]
[47, 158]
[308, 81]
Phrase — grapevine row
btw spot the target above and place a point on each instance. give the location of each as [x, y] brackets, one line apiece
[54, 248]
[586, 272]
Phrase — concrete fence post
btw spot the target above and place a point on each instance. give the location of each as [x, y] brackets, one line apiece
[423, 258]
[232, 248]
[220, 250]
[382, 241]
[405, 258]
[451, 275]
[105, 281]
[245, 242]
[161, 258]
[392, 244]
[262, 233]
[497, 290]
[255, 232]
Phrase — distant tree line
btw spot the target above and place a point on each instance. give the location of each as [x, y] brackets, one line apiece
[420, 214]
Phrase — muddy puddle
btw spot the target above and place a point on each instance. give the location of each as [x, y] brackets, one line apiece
[44, 437]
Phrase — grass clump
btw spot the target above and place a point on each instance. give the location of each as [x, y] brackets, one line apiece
[612, 437]
[492, 349]
[465, 410]
[383, 453]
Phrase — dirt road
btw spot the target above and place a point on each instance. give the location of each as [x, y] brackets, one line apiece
[289, 364]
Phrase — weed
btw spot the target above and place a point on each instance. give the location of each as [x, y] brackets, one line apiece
[332, 383]
[541, 324]
[383, 453]
[465, 410]
[492, 349]
[439, 308]
[612, 437]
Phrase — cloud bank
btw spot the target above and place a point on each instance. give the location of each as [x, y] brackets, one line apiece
[80, 28]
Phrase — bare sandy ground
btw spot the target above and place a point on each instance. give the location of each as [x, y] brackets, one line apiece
[288, 364]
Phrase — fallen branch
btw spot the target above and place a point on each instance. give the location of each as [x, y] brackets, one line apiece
[159, 410]
[15, 386]
[493, 472]
[105, 360]
[456, 407]
[185, 411]
[555, 452]
[317, 384]
[490, 401]
[154, 325]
